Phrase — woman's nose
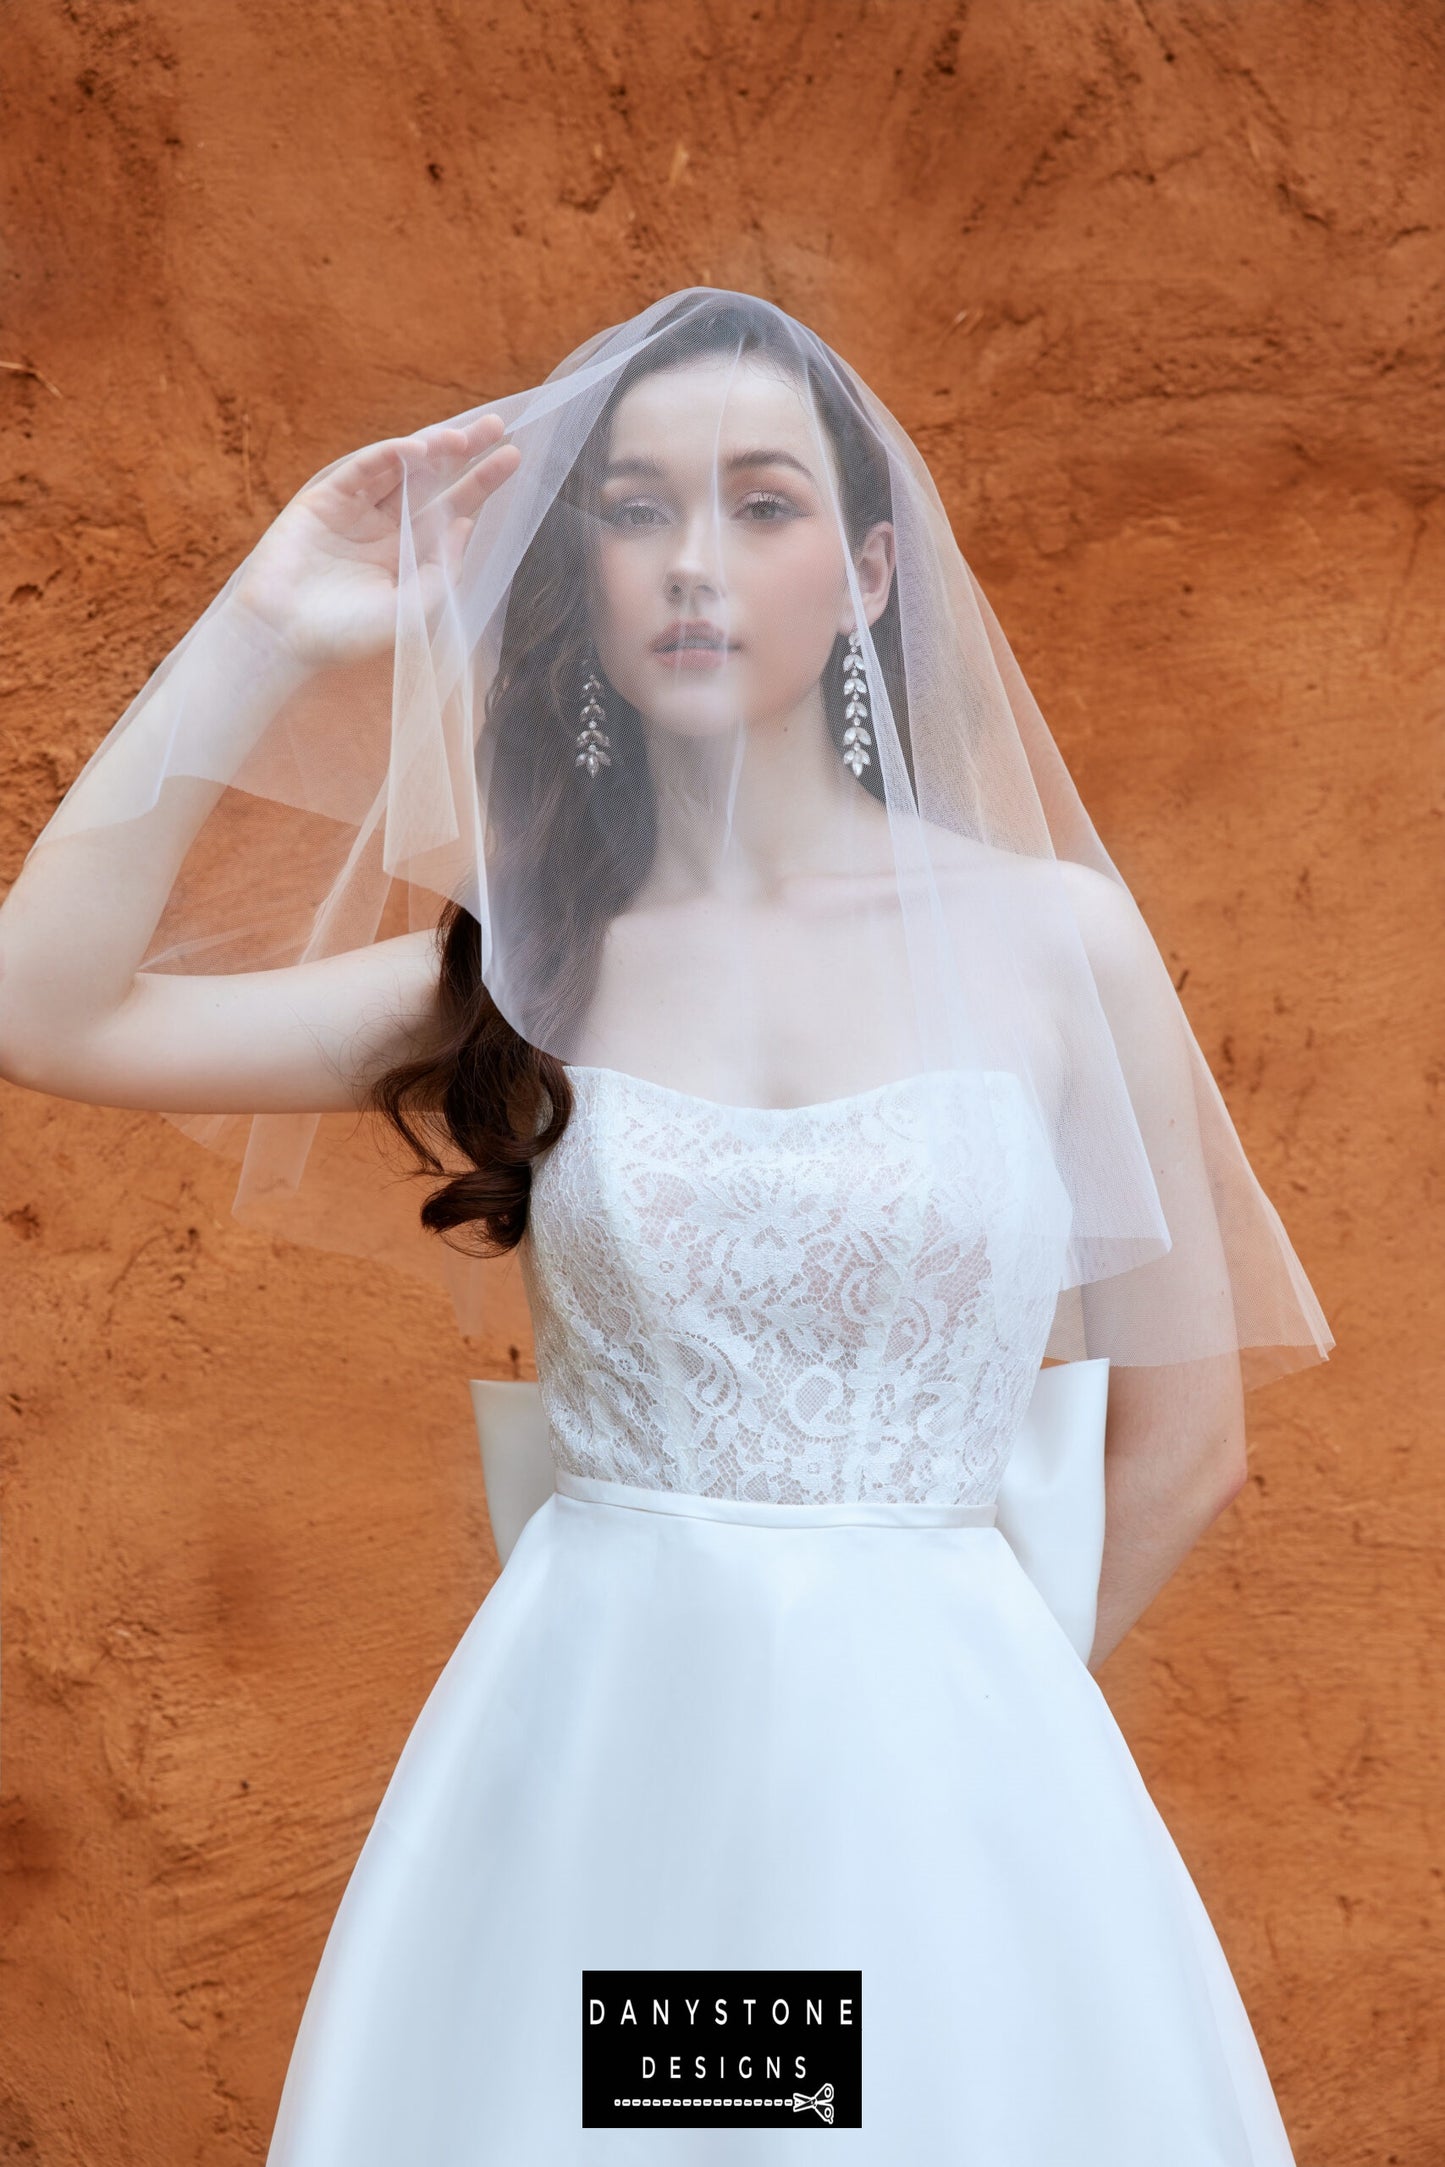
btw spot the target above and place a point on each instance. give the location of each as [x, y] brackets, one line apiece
[697, 554]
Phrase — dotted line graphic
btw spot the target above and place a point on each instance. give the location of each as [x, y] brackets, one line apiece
[821, 2102]
[704, 2102]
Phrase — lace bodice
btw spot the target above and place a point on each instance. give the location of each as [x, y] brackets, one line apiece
[794, 1304]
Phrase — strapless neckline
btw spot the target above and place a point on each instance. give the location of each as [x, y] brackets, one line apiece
[866, 1097]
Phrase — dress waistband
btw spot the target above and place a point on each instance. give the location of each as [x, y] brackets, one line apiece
[761, 1512]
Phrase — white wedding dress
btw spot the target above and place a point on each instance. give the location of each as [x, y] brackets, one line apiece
[763, 1686]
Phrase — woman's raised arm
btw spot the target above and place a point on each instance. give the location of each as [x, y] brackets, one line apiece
[78, 1017]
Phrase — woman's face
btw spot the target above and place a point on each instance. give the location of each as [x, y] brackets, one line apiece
[719, 559]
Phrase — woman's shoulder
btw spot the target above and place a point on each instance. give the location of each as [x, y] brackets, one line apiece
[1047, 893]
[960, 858]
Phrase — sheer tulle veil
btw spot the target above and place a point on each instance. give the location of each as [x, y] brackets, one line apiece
[705, 721]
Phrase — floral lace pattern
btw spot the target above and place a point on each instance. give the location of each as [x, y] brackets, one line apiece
[794, 1304]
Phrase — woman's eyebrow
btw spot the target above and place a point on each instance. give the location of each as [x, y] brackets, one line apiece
[649, 469]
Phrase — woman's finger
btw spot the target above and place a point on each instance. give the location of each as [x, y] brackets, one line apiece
[470, 491]
[378, 469]
[450, 444]
[375, 468]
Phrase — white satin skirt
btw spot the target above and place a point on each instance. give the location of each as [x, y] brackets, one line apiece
[691, 1733]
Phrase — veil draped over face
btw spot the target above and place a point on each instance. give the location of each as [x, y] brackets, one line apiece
[701, 720]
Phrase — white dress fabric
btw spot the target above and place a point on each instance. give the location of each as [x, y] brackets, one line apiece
[761, 1685]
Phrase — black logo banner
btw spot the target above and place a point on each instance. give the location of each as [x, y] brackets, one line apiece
[722, 2049]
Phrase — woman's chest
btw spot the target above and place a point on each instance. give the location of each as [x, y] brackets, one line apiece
[933, 1194]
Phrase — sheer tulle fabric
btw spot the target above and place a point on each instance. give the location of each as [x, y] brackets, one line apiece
[944, 906]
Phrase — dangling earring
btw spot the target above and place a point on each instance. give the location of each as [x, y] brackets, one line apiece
[594, 746]
[855, 708]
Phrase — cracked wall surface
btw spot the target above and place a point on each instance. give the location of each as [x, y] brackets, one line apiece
[1158, 291]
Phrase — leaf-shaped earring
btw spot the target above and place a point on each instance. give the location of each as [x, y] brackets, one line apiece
[594, 746]
[855, 707]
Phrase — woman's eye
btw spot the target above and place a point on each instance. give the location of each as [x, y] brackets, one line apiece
[771, 506]
[621, 515]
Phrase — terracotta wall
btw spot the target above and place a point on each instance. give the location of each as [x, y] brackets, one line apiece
[1157, 288]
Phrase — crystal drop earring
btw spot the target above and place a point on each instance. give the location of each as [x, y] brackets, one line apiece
[594, 746]
[855, 707]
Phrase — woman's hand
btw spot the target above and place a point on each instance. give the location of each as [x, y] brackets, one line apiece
[323, 577]
[78, 1016]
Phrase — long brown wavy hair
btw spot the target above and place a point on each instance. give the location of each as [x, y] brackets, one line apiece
[483, 1092]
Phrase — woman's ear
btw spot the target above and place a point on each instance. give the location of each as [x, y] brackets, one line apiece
[873, 566]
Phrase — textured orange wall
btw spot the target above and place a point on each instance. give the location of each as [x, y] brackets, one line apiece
[1158, 290]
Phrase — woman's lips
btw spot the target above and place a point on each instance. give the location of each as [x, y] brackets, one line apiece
[693, 655]
[692, 658]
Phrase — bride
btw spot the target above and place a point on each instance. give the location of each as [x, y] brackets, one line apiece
[622, 799]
